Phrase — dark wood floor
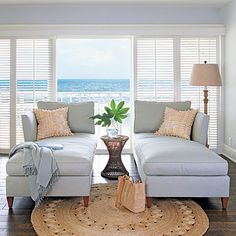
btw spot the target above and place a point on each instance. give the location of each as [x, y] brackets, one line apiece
[16, 222]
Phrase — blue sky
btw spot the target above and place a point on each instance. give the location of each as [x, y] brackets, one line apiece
[93, 58]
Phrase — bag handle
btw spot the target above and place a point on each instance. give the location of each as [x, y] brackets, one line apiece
[132, 179]
[127, 177]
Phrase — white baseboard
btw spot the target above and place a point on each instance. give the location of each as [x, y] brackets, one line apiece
[229, 152]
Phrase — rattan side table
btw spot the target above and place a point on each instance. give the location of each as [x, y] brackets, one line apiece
[115, 166]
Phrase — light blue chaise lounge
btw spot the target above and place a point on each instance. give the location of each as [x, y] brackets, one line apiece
[175, 167]
[75, 161]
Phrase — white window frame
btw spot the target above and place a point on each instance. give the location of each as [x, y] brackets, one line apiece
[133, 31]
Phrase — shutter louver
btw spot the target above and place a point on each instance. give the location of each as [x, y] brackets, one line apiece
[198, 51]
[4, 94]
[155, 69]
[33, 76]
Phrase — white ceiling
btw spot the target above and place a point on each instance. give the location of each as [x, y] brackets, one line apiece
[185, 2]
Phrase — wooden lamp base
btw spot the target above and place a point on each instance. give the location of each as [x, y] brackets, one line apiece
[206, 100]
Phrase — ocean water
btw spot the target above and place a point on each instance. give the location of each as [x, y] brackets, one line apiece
[92, 85]
[73, 85]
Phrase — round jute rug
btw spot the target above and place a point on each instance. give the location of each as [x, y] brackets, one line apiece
[69, 217]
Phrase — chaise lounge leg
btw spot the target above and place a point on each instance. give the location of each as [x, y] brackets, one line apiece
[10, 202]
[149, 202]
[86, 201]
[224, 201]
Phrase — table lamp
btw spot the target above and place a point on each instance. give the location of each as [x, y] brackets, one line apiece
[205, 75]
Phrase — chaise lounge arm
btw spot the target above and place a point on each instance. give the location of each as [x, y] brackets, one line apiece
[29, 124]
[200, 128]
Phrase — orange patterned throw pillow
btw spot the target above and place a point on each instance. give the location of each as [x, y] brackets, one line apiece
[52, 123]
[177, 123]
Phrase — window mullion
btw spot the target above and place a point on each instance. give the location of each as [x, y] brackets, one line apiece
[220, 94]
[12, 92]
[134, 62]
[133, 86]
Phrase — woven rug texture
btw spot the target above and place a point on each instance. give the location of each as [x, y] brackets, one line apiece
[68, 216]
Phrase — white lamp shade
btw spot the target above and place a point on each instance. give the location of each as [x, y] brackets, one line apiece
[205, 75]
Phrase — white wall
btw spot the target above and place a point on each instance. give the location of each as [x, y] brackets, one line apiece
[108, 13]
[229, 16]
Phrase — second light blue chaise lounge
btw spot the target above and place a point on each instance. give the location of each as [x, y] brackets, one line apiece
[175, 167]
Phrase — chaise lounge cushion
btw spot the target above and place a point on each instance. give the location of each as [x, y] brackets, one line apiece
[171, 156]
[150, 115]
[76, 158]
[78, 114]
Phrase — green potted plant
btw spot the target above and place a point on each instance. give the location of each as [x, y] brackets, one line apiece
[112, 115]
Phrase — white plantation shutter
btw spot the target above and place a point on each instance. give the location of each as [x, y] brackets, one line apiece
[163, 73]
[4, 94]
[197, 51]
[34, 80]
[155, 69]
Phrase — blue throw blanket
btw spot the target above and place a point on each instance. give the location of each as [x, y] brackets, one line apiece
[39, 166]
